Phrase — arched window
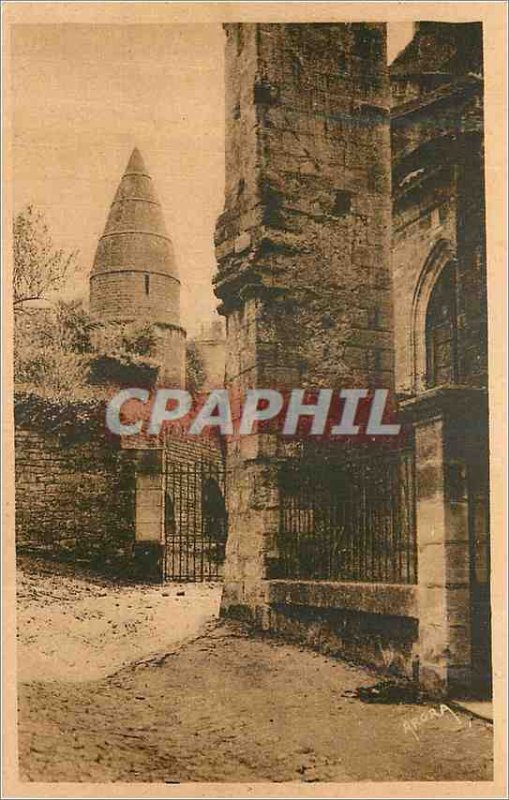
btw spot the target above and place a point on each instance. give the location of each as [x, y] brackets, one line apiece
[441, 330]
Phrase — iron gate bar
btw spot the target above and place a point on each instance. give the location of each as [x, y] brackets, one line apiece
[352, 520]
[196, 528]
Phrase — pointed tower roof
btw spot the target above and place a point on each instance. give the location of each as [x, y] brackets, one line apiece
[136, 163]
[135, 236]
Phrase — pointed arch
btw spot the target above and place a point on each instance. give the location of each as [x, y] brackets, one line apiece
[439, 257]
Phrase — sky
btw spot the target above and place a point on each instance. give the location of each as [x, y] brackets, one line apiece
[85, 95]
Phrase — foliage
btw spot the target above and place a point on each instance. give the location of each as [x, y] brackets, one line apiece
[51, 348]
[39, 269]
[62, 352]
[69, 417]
[75, 326]
[59, 350]
[124, 355]
[129, 342]
[195, 369]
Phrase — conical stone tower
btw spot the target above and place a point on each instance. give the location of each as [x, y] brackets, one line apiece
[134, 277]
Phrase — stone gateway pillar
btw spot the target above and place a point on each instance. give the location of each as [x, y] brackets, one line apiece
[303, 246]
[452, 537]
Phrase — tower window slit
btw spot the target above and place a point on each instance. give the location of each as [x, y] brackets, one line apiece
[147, 284]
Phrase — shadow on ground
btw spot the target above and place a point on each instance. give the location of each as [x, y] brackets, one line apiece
[224, 704]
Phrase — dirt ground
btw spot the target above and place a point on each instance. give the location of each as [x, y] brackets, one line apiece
[215, 703]
[71, 628]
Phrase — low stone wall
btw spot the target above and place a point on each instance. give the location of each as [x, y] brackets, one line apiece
[74, 498]
[83, 494]
[368, 623]
[370, 598]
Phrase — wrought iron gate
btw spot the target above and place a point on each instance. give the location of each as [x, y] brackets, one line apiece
[349, 521]
[195, 521]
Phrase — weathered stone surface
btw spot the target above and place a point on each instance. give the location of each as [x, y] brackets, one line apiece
[438, 191]
[303, 149]
[386, 642]
[374, 598]
[135, 275]
[443, 567]
[302, 244]
[84, 503]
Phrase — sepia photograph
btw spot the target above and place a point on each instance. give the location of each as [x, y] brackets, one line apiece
[251, 291]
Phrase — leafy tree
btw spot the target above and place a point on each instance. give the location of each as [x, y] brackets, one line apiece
[51, 348]
[60, 350]
[39, 268]
[75, 326]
